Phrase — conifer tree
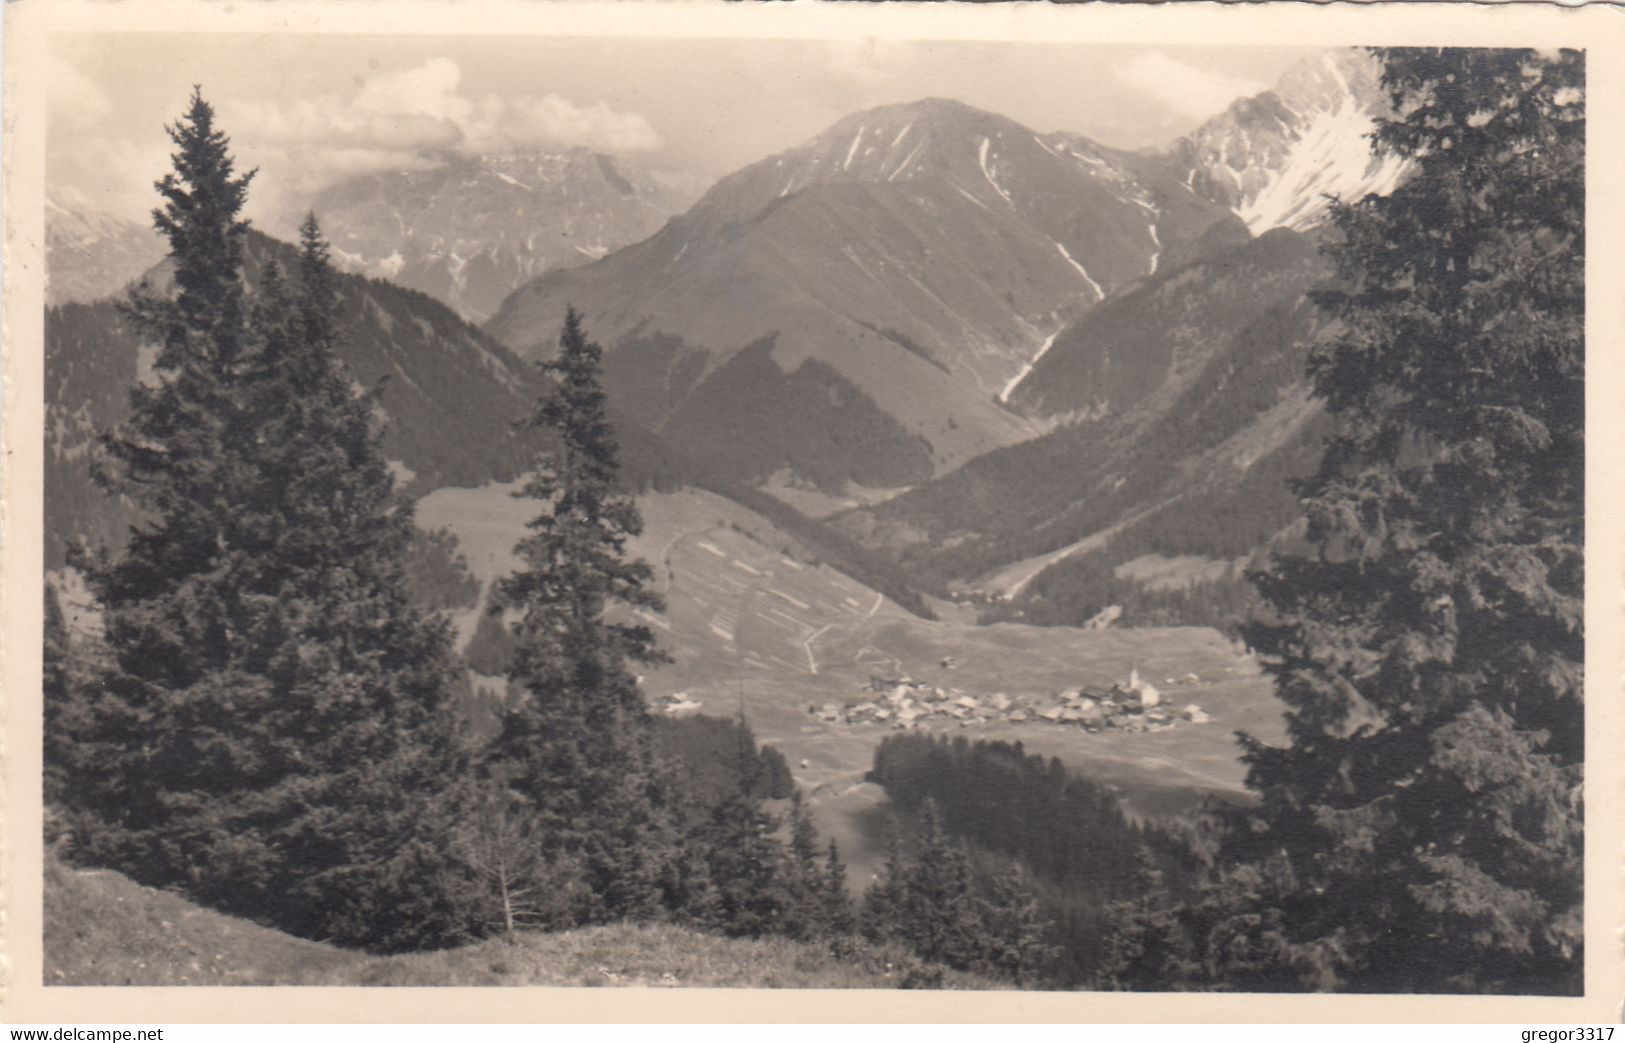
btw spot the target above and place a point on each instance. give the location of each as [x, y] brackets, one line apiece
[1149, 946]
[837, 916]
[1422, 828]
[753, 876]
[579, 744]
[747, 867]
[271, 734]
[884, 913]
[364, 678]
[810, 912]
[940, 913]
[929, 903]
[512, 885]
[162, 721]
[1012, 929]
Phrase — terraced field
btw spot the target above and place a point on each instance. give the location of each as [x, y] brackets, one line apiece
[754, 618]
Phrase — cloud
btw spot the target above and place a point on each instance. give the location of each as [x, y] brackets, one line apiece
[116, 177]
[327, 122]
[395, 119]
[867, 60]
[430, 89]
[550, 119]
[1189, 90]
[74, 100]
[407, 119]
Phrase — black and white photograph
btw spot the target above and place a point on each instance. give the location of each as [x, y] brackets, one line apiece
[855, 512]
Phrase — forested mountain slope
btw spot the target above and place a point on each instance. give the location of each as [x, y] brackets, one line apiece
[1196, 414]
[447, 394]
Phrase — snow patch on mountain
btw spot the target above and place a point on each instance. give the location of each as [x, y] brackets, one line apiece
[1332, 157]
[972, 198]
[1045, 146]
[1277, 159]
[1043, 349]
[846, 164]
[91, 254]
[907, 162]
[1099, 293]
[987, 172]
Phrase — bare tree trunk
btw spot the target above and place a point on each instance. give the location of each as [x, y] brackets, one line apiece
[507, 900]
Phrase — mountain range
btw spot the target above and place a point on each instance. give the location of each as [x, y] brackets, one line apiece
[91, 254]
[471, 229]
[1012, 357]
[891, 276]
[1179, 404]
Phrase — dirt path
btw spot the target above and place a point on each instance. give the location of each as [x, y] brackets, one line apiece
[812, 660]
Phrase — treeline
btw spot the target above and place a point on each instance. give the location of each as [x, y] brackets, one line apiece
[1017, 815]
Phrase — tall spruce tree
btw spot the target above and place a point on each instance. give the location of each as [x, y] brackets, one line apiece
[163, 719]
[1421, 831]
[579, 743]
[365, 680]
[749, 868]
[271, 734]
[804, 875]
[838, 917]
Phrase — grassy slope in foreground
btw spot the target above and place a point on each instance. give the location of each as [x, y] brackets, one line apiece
[103, 929]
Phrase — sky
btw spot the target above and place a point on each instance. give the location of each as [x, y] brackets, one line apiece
[310, 110]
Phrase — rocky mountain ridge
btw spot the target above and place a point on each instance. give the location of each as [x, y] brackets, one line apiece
[91, 254]
[469, 230]
[1275, 158]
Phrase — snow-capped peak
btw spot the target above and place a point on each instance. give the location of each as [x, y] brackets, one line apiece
[1277, 157]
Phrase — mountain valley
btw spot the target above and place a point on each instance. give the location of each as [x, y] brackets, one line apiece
[755, 621]
[929, 363]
